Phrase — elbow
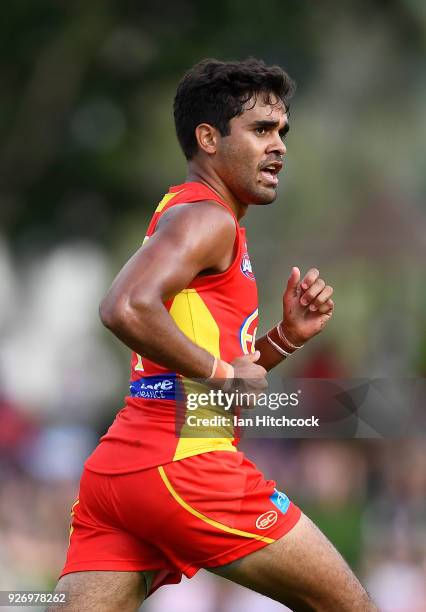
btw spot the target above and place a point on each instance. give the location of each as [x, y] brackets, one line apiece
[110, 314]
[123, 314]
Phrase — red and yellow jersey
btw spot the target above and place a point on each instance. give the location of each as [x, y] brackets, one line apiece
[218, 312]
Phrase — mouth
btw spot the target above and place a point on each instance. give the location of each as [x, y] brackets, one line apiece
[270, 173]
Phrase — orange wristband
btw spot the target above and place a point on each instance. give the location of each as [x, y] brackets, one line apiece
[221, 369]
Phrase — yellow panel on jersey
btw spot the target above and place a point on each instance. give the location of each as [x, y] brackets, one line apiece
[213, 437]
[165, 201]
[195, 320]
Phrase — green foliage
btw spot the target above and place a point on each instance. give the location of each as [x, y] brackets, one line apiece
[85, 107]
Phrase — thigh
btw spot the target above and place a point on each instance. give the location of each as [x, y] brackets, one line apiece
[303, 571]
[100, 591]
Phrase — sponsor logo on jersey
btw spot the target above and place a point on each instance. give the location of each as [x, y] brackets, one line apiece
[248, 333]
[155, 387]
[245, 266]
[267, 519]
[280, 500]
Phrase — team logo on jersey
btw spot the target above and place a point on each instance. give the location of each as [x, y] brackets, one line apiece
[248, 333]
[245, 266]
[267, 519]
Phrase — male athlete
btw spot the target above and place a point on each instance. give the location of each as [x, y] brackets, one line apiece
[154, 505]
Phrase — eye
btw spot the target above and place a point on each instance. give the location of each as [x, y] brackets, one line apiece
[284, 132]
[260, 131]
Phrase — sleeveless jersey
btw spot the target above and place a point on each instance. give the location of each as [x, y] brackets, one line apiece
[218, 312]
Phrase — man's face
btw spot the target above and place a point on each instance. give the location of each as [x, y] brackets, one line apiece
[249, 159]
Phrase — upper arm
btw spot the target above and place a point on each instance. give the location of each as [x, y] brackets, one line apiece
[189, 238]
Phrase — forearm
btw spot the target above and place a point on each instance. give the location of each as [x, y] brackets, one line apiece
[151, 332]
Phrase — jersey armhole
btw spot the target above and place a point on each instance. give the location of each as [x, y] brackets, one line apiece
[210, 279]
[213, 279]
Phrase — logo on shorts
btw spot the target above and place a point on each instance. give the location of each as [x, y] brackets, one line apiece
[245, 266]
[267, 519]
[280, 500]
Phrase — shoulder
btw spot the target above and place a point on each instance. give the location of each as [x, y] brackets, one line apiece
[203, 234]
[206, 217]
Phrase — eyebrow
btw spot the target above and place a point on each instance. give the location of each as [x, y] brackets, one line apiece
[269, 123]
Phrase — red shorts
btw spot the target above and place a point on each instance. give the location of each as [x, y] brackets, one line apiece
[203, 511]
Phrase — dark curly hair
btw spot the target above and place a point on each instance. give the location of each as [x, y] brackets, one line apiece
[214, 92]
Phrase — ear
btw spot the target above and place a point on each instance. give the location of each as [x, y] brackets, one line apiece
[206, 136]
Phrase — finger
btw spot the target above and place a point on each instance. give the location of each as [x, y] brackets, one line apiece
[252, 356]
[254, 373]
[256, 384]
[327, 308]
[293, 281]
[311, 293]
[309, 278]
[321, 298]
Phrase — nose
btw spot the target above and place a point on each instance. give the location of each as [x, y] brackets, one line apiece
[283, 148]
[277, 146]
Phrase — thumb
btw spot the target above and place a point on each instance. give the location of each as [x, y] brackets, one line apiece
[293, 281]
[253, 356]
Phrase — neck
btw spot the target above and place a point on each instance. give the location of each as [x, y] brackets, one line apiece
[209, 178]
